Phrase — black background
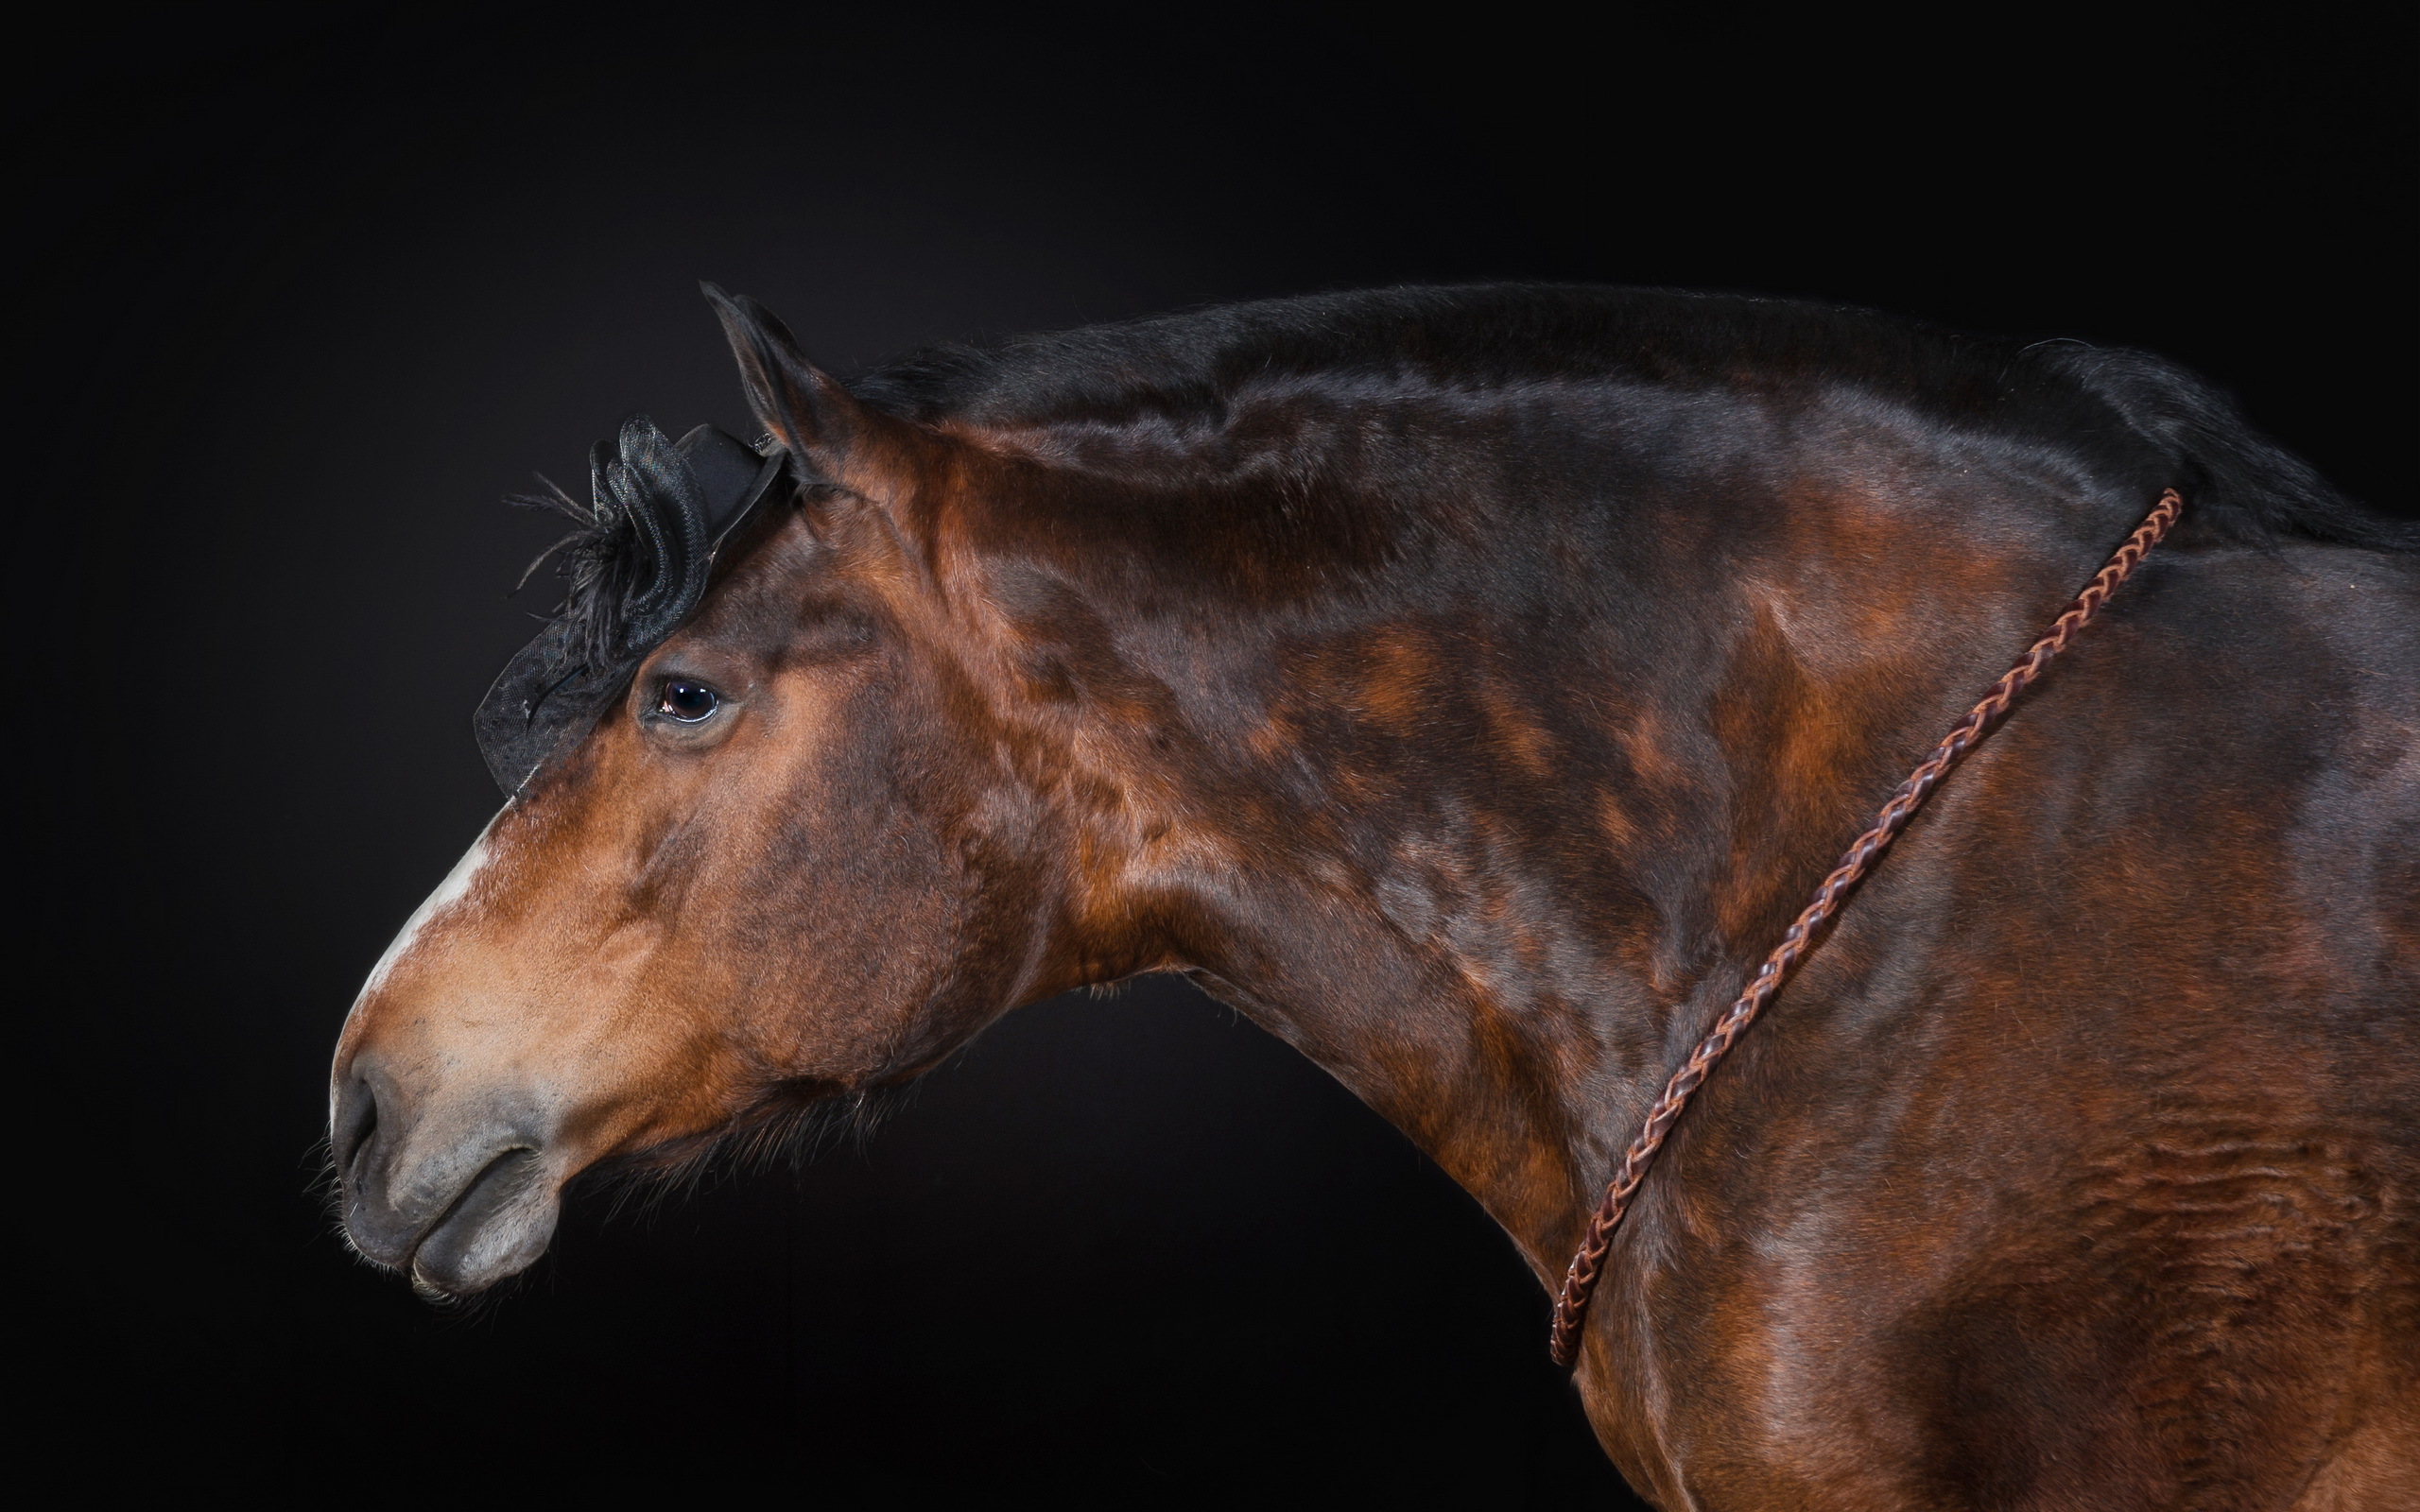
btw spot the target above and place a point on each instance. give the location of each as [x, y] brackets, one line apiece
[298, 294]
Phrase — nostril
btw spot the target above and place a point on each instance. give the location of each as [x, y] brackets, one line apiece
[355, 1122]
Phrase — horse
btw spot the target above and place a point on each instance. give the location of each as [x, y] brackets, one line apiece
[1467, 685]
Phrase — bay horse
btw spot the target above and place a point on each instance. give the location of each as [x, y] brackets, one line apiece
[1468, 684]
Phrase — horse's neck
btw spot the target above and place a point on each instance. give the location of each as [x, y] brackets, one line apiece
[1526, 873]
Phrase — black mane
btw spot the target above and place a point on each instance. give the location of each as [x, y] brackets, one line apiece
[2128, 407]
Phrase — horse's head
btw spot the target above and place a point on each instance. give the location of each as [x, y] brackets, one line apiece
[802, 856]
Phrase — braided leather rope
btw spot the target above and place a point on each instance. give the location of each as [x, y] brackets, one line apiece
[1571, 1308]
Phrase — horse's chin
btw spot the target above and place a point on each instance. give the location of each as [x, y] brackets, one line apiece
[497, 1228]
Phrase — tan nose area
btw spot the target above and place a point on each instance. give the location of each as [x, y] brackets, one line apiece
[443, 1173]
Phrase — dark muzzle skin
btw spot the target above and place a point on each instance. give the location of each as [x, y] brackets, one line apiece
[457, 1213]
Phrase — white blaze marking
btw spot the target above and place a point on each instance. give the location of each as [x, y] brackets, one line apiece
[457, 882]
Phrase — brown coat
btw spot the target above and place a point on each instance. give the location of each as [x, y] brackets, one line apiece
[1469, 685]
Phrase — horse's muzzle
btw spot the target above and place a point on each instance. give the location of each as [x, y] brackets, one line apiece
[459, 1198]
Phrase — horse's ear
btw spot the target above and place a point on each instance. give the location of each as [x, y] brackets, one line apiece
[805, 408]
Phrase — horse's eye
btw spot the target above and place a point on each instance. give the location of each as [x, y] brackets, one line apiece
[687, 701]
